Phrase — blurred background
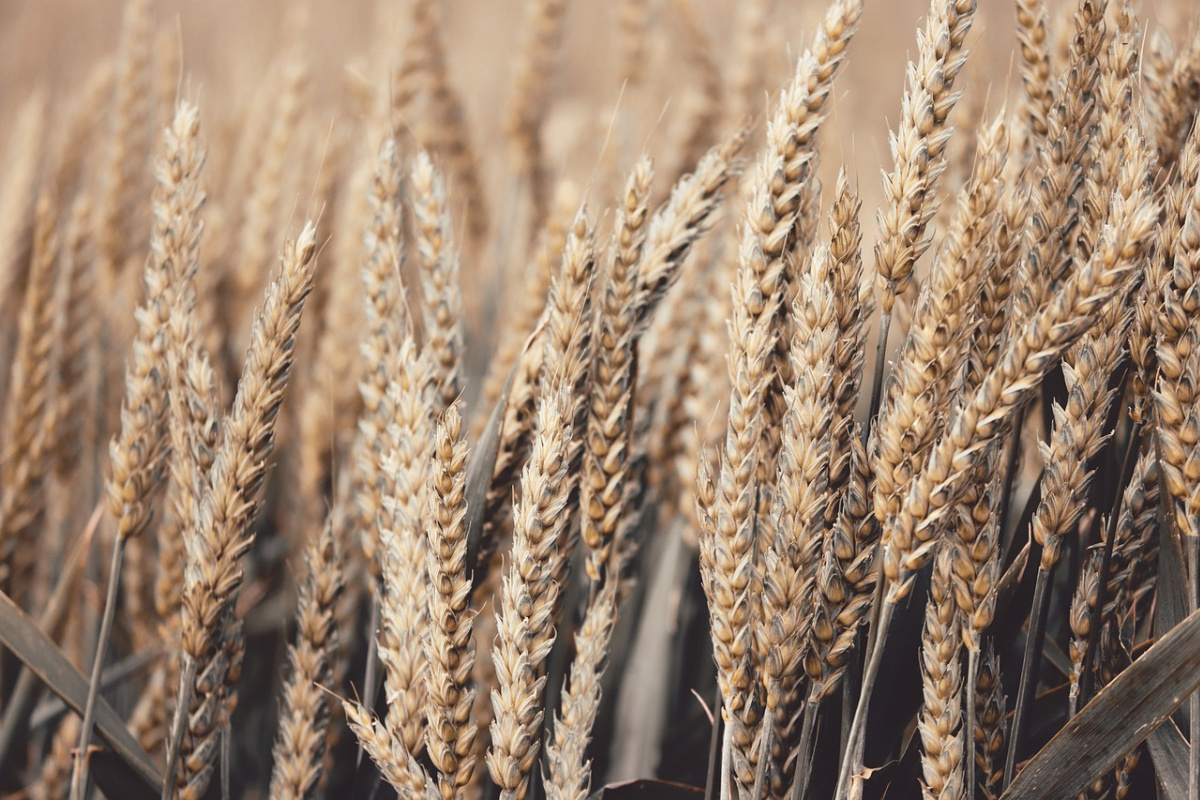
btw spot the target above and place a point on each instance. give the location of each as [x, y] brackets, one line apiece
[228, 45]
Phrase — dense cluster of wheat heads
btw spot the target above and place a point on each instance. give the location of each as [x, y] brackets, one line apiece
[397, 456]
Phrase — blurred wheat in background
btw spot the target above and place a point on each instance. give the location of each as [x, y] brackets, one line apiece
[547, 399]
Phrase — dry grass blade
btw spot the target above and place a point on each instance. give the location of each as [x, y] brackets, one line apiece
[26, 640]
[1142, 696]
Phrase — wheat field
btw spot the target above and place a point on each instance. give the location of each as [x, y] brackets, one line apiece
[559, 400]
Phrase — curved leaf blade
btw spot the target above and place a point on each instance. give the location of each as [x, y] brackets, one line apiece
[45, 660]
[1119, 718]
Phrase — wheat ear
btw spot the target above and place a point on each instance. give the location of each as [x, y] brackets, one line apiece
[442, 290]
[795, 615]
[568, 773]
[385, 323]
[940, 722]
[23, 472]
[918, 145]
[990, 736]
[610, 411]
[224, 528]
[304, 713]
[527, 106]
[449, 650]
[526, 607]
[126, 143]
[1058, 176]
[138, 454]
[938, 338]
